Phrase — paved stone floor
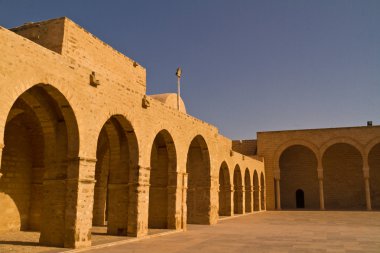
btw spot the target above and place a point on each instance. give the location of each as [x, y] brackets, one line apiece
[286, 231]
[27, 242]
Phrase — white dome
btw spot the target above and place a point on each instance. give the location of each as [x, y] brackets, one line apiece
[170, 99]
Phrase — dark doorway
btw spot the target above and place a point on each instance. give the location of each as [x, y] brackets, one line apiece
[300, 199]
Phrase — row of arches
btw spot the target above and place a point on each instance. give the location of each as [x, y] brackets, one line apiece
[39, 185]
[236, 197]
[339, 179]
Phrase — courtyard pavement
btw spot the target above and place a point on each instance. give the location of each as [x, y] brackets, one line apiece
[284, 231]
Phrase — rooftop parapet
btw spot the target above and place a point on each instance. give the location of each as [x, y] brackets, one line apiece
[65, 37]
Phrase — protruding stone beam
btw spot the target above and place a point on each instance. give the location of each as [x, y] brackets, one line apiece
[321, 193]
[278, 194]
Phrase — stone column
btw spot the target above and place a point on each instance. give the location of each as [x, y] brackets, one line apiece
[175, 200]
[243, 200]
[252, 198]
[232, 205]
[214, 200]
[367, 188]
[185, 177]
[278, 194]
[259, 198]
[321, 193]
[79, 202]
[138, 202]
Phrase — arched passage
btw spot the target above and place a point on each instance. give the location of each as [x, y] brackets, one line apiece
[41, 133]
[117, 156]
[199, 182]
[374, 175]
[248, 191]
[224, 191]
[343, 177]
[262, 191]
[298, 167]
[163, 163]
[238, 191]
[256, 192]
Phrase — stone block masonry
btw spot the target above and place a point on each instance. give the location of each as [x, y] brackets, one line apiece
[82, 144]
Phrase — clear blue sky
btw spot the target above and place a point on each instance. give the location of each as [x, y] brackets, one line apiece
[248, 66]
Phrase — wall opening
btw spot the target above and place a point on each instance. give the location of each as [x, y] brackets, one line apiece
[298, 166]
[163, 168]
[40, 135]
[224, 191]
[117, 155]
[374, 176]
[199, 182]
[262, 191]
[300, 199]
[238, 191]
[343, 177]
[248, 192]
[256, 192]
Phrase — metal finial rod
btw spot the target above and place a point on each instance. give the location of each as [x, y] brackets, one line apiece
[178, 74]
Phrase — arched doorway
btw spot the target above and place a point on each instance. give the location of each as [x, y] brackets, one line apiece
[163, 163]
[224, 191]
[298, 166]
[374, 175]
[262, 191]
[256, 192]
[343, 177]
[300, 199]
[199, 182]
[248, 191]
[238, 191]
[117, 156]
[41, 136]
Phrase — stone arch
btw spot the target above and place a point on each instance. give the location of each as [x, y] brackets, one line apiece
[41, 140]
[256, 191]
[199, 182]
[162, 190]
[248, 191]
[224, 190]
[238, 191]
[343, 176]
[374, 174]
[262, 191]
[294, 142]
[298, 167]
[117, 161]
[342, 139]
[60, 91]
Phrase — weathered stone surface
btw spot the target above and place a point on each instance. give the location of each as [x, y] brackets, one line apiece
[84, 145]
